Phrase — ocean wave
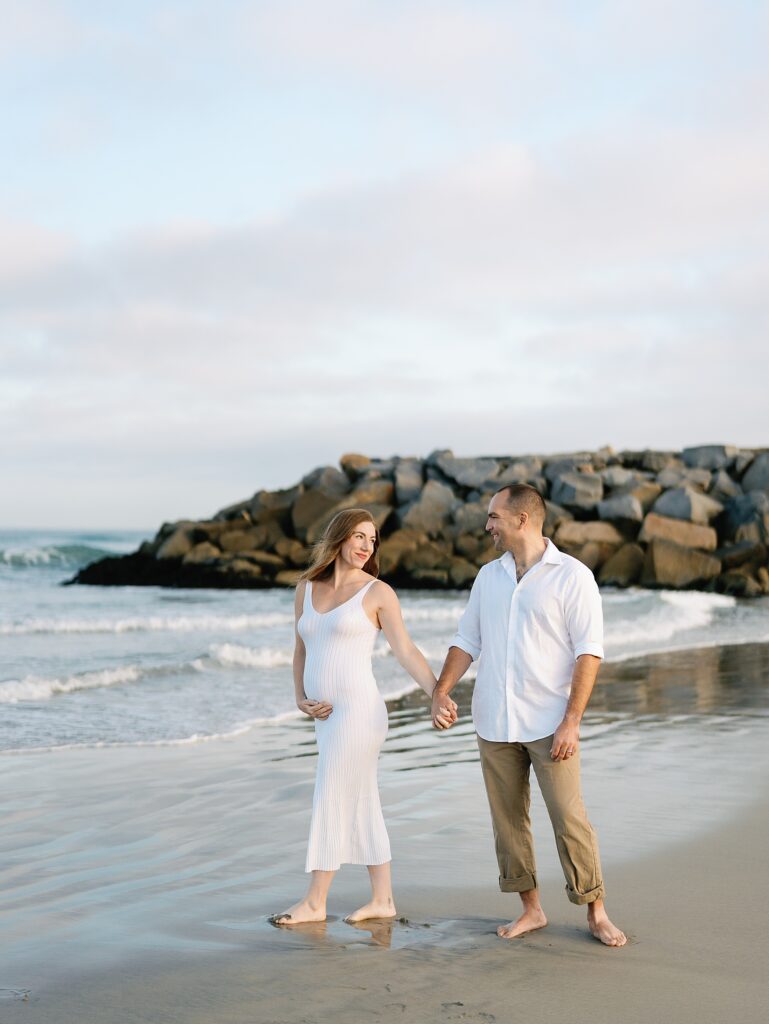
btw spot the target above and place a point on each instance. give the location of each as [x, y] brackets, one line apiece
[671, 613]
[69, 556]
[148, 624]
[35, 688]
[249, 657]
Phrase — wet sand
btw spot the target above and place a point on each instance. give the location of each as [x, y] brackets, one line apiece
[136, 882]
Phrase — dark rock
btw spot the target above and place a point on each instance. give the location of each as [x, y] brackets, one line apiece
[574, 534]
[671, 565]
[555, 515]
[621, 508]
[287, 578]
[471, 517]
[292, 551]
[354, 465]
[709, 456]
[393, 548]
[242, 540]
[756, 477]
[739, 584]
[624, 567]
[433, 509]
[722, 487]
[428, 555]
[567, 464]
[203, 552]
[327, 479]
[462, 573]
[747, 510]
[697, 479]
[309, 508]
[466, 472]
[179, 543]
[745, 552]
[685, 503]
[688, 535]
[593, 554]
[409, 480]
[577, 490]
[468, 545]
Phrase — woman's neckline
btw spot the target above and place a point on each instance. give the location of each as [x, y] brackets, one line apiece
[343, 603]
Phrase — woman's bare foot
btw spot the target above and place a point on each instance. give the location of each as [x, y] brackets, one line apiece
[375, 909]
[532, 919]
[601, 927]
[301, 913]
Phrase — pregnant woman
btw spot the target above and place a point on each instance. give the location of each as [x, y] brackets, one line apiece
[340, 607]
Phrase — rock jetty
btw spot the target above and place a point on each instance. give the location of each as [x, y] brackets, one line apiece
[697, 518]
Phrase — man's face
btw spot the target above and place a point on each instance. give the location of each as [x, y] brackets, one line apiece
[503, 523]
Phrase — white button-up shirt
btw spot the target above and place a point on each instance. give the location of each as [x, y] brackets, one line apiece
[527, 637]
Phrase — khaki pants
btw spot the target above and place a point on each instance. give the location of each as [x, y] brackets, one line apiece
[506, 775]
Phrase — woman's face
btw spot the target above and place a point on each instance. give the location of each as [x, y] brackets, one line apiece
[359, 546]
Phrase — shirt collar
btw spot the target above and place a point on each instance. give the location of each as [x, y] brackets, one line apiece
[550, 556]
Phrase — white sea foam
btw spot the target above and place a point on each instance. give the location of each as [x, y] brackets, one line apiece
[33, 688]
[249, 657]
[148, 624]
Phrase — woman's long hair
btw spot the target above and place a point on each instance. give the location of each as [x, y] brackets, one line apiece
[340, 529]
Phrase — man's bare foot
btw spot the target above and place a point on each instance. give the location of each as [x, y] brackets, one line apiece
[380, 910]
[532, 919]
[601, 927]
[301, 913]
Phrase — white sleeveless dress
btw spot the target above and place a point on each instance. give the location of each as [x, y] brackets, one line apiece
[347, 823]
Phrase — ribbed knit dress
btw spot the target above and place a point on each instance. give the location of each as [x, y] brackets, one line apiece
[347, 824]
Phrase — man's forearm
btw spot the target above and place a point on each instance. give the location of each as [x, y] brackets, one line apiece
[582, 683]
[454, 667]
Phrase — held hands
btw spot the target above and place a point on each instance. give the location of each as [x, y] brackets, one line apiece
[444, 711]
[565, 741]
[315, 708]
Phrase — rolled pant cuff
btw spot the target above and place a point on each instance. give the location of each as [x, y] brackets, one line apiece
[523, 883]
[580, 898]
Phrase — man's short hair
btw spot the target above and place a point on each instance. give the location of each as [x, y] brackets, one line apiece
[525, 498]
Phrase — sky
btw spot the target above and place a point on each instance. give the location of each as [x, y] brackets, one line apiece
[238, 239]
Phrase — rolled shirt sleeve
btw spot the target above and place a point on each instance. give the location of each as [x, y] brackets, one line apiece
[468, 635]
[584, 615]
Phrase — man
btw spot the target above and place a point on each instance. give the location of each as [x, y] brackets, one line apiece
[534, 620]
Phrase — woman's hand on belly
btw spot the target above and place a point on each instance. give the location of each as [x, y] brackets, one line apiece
[315, 708]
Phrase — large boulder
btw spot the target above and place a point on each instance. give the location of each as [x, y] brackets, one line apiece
[745, 552]
[242, 540]
[433, 510]
[462, 573]
[201, 553]
[744, 517]
[328, 479]
[310, 508]
[471, 517]
[574, 534]
[268, 506]
[671, 565]
[466, 472]
[354, 465]
[618, 476]
[409, 479]
[623, 568]
[428, 555]
[697, 479]
[178, 543]
[624, 509]
[756, 477]
[688, 535]
[722, 487]
[685, 503]
[577, 490]
[709, 456]
[393, 548]
[520, 471]
[580, 462]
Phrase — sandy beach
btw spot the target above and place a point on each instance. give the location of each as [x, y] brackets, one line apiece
[137, 881]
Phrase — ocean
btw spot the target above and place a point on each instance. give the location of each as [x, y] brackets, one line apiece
[99, 667]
